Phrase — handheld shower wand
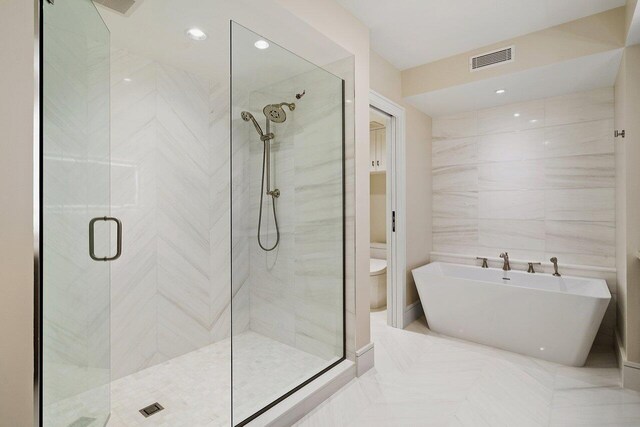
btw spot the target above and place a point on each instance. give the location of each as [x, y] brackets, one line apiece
[273, 113]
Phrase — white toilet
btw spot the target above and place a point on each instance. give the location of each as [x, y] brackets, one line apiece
[378, 276]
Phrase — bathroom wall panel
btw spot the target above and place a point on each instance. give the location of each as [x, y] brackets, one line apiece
[577, 139]
[455, 178]
[170, 177]
[511, 118]
[296, 290]
[518, 175]
[561, 172]
[512, 146]
[452, 204]
[512, 204]
[455, 151]
[512, 233]
[456, 126]
[593, 171]
[590, 204]
[579, 107]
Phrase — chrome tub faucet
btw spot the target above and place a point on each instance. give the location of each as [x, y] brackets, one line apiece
[505, 256]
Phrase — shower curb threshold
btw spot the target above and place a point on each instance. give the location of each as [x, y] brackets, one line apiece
[302, 402]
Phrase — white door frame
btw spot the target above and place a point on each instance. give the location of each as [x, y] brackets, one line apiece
[396, 202]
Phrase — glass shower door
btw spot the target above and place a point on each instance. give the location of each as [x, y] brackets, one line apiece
[287, 222]
[75, 208]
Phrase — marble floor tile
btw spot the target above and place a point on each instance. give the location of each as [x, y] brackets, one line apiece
[425, 379]
[195, 388]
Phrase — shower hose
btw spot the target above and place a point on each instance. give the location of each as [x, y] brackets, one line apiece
[273, 202]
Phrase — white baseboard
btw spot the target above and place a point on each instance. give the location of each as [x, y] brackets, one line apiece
[412, 312]
[364, 359]
[629, 371]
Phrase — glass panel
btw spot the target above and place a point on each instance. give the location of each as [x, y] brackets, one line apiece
[287, 221]
[75, 383]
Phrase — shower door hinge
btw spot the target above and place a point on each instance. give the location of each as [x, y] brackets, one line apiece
[619, 133]
[50, 1]
[393, 221]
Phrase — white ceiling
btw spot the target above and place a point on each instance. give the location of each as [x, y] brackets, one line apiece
[413, 32]
[156, 29]
[536, 83]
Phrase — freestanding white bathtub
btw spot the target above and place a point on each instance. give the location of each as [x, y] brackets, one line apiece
[552, 318]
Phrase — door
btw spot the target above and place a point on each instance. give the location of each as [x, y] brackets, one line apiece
[76, 242]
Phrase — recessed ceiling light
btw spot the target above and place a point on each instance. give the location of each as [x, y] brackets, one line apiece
[500, 91]
[348, 101]
[127, 79]
[261, 44]
[533, 121]
[196, 34]
[516, 115]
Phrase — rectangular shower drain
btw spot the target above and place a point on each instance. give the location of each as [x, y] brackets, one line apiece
[154, 408]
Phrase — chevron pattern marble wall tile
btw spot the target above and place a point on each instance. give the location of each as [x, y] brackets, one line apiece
[170, 187]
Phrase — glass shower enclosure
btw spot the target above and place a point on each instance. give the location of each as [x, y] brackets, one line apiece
[187, 260]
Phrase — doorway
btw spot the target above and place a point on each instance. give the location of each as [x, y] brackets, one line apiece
[387, 208]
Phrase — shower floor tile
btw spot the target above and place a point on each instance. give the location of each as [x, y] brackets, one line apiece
[195, 389]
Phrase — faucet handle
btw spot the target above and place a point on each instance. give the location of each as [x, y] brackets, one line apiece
[531, 269]
[484, 262]
[554, 260]
[504, 255]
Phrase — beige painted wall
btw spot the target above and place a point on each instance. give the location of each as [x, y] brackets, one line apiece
[593, 34]
[628, 158]
[386, 80]
[16, 215]
[344, 29]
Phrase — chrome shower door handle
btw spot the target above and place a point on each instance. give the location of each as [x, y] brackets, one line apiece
[92, 253]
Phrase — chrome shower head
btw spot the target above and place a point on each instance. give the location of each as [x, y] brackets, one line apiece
[275, 112]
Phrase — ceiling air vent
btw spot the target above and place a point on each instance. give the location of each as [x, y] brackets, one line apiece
[123, 7]
[491, 59]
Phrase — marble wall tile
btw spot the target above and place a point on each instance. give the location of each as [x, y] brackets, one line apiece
[579, 107]
[455, 178]
[455, 231]
[454, 151]
[511, 146]
[519, 175]
[542, 184]
[512, 233]
[581, 237]
[590, 204]
[455, 126]
[597, 171]
[578, 139]
[462, 204]
[518, 204]
[512, 117]
[296, 290]
[170, 187]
